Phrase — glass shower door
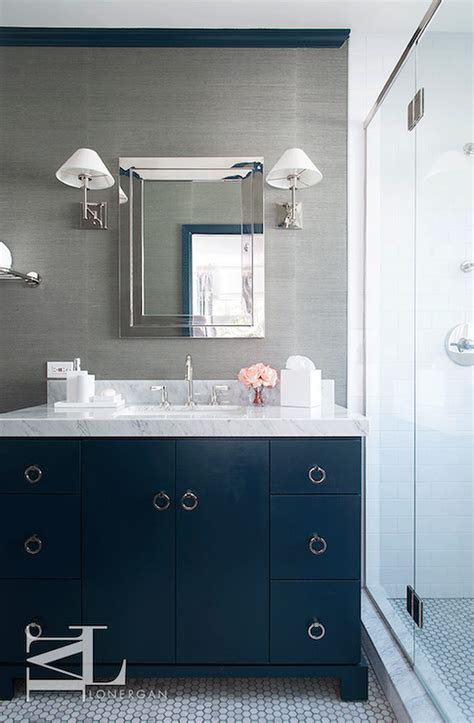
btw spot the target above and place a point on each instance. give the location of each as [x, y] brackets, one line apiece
[390, 328]
[444, 383]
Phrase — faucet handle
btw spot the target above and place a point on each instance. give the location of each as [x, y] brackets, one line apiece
[164, 394]
[216, 388]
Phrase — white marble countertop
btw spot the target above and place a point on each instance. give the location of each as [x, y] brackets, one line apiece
[248, 421]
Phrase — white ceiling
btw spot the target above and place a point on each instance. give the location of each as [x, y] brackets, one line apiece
[378, 16]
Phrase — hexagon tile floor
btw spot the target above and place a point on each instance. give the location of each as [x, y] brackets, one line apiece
[447, 641]
[203, 700]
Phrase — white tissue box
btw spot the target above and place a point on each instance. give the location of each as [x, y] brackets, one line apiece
[300, 387]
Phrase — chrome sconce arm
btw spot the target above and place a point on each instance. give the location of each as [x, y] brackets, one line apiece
[92, 213]
[293, 211]
[32, 278]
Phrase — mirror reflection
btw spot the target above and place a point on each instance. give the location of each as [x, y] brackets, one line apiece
[192, 247]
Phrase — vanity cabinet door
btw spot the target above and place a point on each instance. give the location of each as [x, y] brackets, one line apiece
[129, 548]
[222, 551]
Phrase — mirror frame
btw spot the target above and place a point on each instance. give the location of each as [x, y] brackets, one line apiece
[133, 320]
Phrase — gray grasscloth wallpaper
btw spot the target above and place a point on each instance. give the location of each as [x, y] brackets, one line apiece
[164, 102]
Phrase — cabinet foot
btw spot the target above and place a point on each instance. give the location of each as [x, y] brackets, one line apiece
[355, 683]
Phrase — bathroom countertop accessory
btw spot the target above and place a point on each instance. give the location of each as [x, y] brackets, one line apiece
[108, 399]
[95, 403]
[300, 383]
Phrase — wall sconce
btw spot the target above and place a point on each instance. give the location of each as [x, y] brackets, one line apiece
[7, 273]
[293, 170]
[85, 169]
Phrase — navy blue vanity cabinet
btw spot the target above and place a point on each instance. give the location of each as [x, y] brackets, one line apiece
[203, 557]
[129, 548]
[222, 574]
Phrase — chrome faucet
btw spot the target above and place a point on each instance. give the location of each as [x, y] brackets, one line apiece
[189, 378]
[164, 404]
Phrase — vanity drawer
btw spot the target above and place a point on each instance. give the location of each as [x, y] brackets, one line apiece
[40, 536]
[296, 609]
[53, 604]
[315, 537]
[39, 465]
[322, 466]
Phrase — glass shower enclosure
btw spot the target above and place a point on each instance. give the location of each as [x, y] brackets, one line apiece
[419, 327]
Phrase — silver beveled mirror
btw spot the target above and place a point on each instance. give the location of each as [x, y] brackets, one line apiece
[191, 247]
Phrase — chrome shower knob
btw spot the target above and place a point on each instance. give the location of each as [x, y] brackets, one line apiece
[316, 474]
[33, 473]
[189, 501]
[33, 545]
[161, 501]
[317, 544]
[316, 630]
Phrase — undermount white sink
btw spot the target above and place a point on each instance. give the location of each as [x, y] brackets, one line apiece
[148, 410]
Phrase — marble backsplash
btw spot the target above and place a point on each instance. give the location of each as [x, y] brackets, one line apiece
[139, 392]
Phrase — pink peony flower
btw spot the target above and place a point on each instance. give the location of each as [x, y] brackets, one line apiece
[269, 377]
[258, 375]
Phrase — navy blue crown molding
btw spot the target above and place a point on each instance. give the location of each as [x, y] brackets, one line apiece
[173, 37]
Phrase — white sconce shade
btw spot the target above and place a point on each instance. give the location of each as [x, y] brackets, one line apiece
[85, 163]
[293, 165]
[123, 198]
[6, 259]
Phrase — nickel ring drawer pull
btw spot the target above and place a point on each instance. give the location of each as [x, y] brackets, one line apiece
[33, 545]
[318, 471]
[161, 501]
[316, 630]
[317, 545]
[34, 626]
[189, 501]
[33, 473]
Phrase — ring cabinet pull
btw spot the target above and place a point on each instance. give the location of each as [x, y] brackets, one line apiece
[317, 544]
[33, 545]
[161, 501]
[189, 501]
[319, 471]
[34, 625]
[316, 630]
[33, 473]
